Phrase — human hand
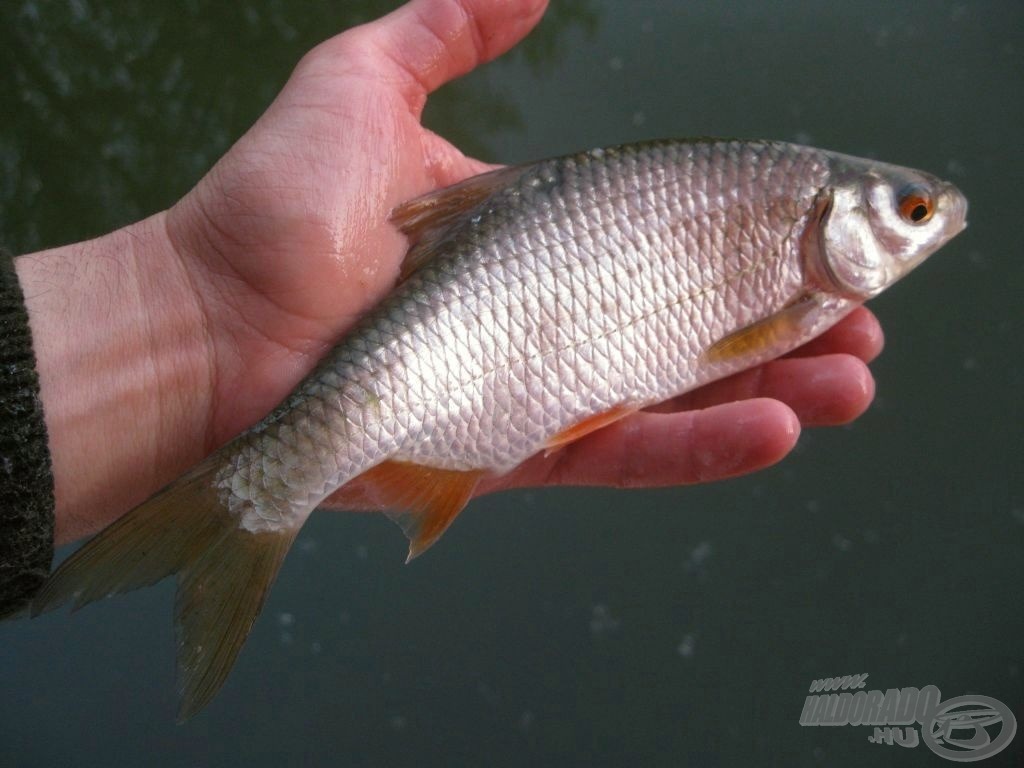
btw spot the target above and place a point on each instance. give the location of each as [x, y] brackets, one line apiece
[236, 291]
[297, 213]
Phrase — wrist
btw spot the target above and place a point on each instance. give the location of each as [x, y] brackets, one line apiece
[124, 370]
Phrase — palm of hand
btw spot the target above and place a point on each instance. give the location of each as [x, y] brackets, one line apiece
[288, 236]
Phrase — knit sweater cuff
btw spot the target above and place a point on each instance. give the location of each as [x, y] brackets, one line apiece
[26, 479]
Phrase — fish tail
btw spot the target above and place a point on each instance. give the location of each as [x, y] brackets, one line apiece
[224, 573]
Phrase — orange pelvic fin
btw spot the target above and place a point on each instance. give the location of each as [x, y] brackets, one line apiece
[764, 334]
[422, 500]
[585, 427]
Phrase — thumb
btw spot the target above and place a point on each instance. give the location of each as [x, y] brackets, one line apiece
[425, 43]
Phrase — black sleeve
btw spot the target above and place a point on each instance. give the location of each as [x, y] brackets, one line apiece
[26, 480]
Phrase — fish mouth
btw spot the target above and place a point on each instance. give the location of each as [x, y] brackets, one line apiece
[958, 207]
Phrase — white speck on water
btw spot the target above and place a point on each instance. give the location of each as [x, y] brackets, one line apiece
[803, 137]
[957, 13]
[285, 619]
[315, 647]
[601, 620]
[1018, 515]
[639, 118]
[362, 552]
[841, 543]
[526, 720]
[970, 363]
[812, 506]
[819, 753]
[286, 638]
[687, 645]
[698, 557]
[615, 63]
[647, 26]
[977, 259]
[955, 168]
[1013, 670]
[871, 536]
[901, 639]
[306, 546]
[398, 723]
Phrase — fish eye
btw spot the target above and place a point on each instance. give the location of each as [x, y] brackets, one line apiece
[916, 204]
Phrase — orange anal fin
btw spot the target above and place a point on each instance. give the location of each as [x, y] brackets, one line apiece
[585, 427]
[764, 335]
[422, 500]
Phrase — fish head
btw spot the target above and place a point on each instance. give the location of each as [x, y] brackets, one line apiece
[875, 222]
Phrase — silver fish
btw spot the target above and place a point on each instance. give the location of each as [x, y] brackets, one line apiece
[538, 303]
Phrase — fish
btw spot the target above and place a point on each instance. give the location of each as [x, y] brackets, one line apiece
[536, 304]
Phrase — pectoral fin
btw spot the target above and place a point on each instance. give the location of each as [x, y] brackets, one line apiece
[422, 500]
[764, 335]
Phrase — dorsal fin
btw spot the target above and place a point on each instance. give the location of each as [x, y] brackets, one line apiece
[426, 219]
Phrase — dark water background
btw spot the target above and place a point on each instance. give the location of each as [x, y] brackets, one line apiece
[583, 627]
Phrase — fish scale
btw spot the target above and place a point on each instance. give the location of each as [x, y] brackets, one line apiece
[536, 304]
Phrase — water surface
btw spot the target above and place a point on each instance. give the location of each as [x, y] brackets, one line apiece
[671, 627]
